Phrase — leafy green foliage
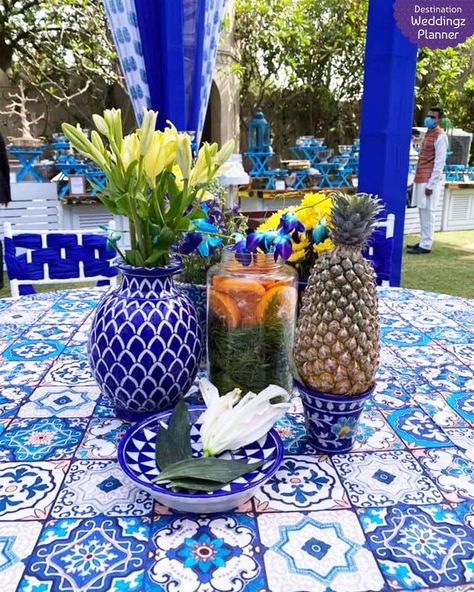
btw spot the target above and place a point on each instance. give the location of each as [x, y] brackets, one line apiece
[446, 77]
[61, 48]
[195, 266]
[250, 357]
[303, 61]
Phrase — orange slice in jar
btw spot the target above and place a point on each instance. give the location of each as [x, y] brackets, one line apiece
[282, 298]
[268, 283]
[286, 282]
[225, 308]
[237, 286]
[246, 294]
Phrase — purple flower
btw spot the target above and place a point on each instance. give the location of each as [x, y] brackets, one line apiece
[189, 243]
[289, 222]
[240, 248]
[283, 247]
[262, 239]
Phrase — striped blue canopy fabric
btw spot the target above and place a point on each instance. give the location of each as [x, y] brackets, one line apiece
[167, 50]
[124, 27]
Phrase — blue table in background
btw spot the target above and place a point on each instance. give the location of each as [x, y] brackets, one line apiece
[27, 158]
[396, 513]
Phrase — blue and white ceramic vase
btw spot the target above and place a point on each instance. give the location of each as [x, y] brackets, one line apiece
[145, 342]
[331, 420]
[197, 293]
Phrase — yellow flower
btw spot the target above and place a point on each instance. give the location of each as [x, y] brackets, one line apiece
[313, 208]
[161, 154]
[130, 150]
[178, 177]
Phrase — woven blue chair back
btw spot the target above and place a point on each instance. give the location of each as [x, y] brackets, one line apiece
[56, 257]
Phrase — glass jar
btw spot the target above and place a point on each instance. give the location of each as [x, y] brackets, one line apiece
[251, 315]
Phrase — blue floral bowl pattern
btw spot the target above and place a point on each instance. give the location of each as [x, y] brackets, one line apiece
[145, 342]
[136, 455]
[331, 420]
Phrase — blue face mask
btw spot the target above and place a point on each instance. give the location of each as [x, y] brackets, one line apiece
[430, 122]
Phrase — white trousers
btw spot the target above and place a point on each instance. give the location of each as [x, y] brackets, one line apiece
[427, 226]
[426, 211]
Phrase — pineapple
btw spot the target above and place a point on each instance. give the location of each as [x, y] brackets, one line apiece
[337, 336]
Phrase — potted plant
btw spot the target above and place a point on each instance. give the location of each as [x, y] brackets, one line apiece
[336, 351]
[224, 223]
[145, 341]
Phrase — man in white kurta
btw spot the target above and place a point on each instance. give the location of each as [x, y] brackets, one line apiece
[428, 179]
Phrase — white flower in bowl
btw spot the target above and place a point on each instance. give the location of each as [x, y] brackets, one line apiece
[231, 421]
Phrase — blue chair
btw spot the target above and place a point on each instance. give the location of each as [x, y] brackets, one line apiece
[380, 249]
[45, 257]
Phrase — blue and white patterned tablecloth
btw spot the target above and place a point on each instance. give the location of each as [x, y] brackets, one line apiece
[396, 513]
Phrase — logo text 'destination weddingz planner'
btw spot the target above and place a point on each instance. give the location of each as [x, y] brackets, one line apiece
[438, 19]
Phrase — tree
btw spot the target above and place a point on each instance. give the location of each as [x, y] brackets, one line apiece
[446, 77]
[60, 48]
[303, 61]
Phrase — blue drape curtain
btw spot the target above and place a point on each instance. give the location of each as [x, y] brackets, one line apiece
[167, 50]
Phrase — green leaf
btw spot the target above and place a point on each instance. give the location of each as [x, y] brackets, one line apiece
[108, 203]
[134, 257]
[156, 257]
[173, 444]
[166, 237]
[123, 205]
[196, 484]
[215, 469]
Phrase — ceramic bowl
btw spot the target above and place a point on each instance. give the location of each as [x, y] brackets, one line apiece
[136, 455]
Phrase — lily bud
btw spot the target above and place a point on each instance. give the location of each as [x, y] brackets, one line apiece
[210, 150]
[147, 129]
[225, 152]
[113, 119]
[231, 422]
[200, 172]
[97, 142]
[100, 124]
[184, 154]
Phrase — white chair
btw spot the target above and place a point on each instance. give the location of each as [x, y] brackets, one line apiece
[380, 249]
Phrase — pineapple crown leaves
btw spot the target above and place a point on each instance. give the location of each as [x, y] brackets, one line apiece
[353, 217]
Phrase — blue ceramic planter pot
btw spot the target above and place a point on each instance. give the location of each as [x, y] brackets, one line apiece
[197, 293]
[145, 342]
[331, 420]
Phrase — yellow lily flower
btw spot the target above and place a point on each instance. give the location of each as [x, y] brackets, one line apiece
[130, 150]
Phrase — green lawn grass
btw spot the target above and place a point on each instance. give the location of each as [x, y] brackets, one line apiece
[449, 268]
[5, 291]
